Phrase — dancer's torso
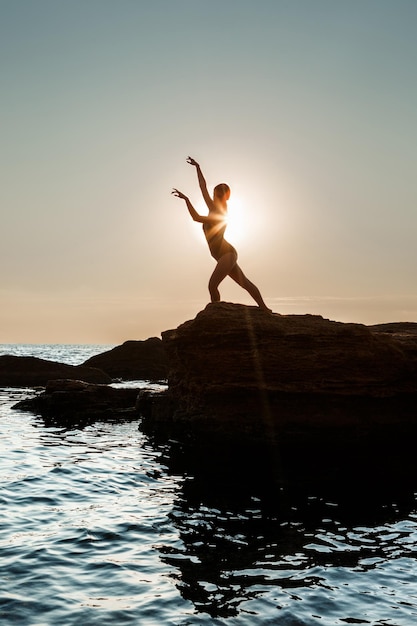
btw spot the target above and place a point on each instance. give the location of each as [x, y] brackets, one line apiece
[214, 232]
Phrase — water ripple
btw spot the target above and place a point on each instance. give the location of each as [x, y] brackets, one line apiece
[98, 526]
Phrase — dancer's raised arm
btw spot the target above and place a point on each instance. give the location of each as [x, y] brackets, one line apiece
[202, 182]
[196, 216]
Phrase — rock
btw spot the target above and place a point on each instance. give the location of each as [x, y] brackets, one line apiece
[29, 371]
[75, 401]
[405, 333]
[243, 373]
[133, 360]
[396, 328]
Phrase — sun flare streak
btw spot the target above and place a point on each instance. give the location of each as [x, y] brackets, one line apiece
[241, 224]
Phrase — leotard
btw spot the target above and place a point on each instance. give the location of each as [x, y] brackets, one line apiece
[214, 233]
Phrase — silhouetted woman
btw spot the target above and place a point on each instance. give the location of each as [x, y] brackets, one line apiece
[214, 225]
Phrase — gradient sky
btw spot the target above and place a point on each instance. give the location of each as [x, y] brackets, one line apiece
[307, 108]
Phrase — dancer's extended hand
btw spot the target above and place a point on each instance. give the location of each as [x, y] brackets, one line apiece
[192, 161]
[179, 194]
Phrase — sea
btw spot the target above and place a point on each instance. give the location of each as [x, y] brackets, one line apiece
[101, 524]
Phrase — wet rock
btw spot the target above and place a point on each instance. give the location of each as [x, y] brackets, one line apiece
[29, 371]
[134, 360]
[243, 373]
[74, 401]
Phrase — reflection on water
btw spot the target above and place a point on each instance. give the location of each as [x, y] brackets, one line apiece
[101, 525]
[288, 543]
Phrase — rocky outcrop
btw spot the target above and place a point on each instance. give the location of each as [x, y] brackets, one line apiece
[133, 360]
[239, 374]
[405, 333]
[29, 371]
[77, 401]
[244, 373]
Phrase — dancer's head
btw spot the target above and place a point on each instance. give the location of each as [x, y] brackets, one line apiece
[222, 192]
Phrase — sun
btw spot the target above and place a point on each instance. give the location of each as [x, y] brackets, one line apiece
[240, 221]
[236, 230]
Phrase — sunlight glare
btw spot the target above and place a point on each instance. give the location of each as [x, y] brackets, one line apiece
[237, 223]
[242, 224]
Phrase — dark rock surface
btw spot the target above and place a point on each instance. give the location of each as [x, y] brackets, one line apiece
[243, 373]
[74, 401]
[133, 360]
[29, 371]
[405, 333]
[238, 374]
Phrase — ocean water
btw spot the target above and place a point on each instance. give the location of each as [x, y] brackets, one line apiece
[103, 525]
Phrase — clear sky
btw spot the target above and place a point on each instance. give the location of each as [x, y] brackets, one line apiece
[307, 108]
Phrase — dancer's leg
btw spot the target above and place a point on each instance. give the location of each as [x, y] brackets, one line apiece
[223, 268]
[239, 277]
